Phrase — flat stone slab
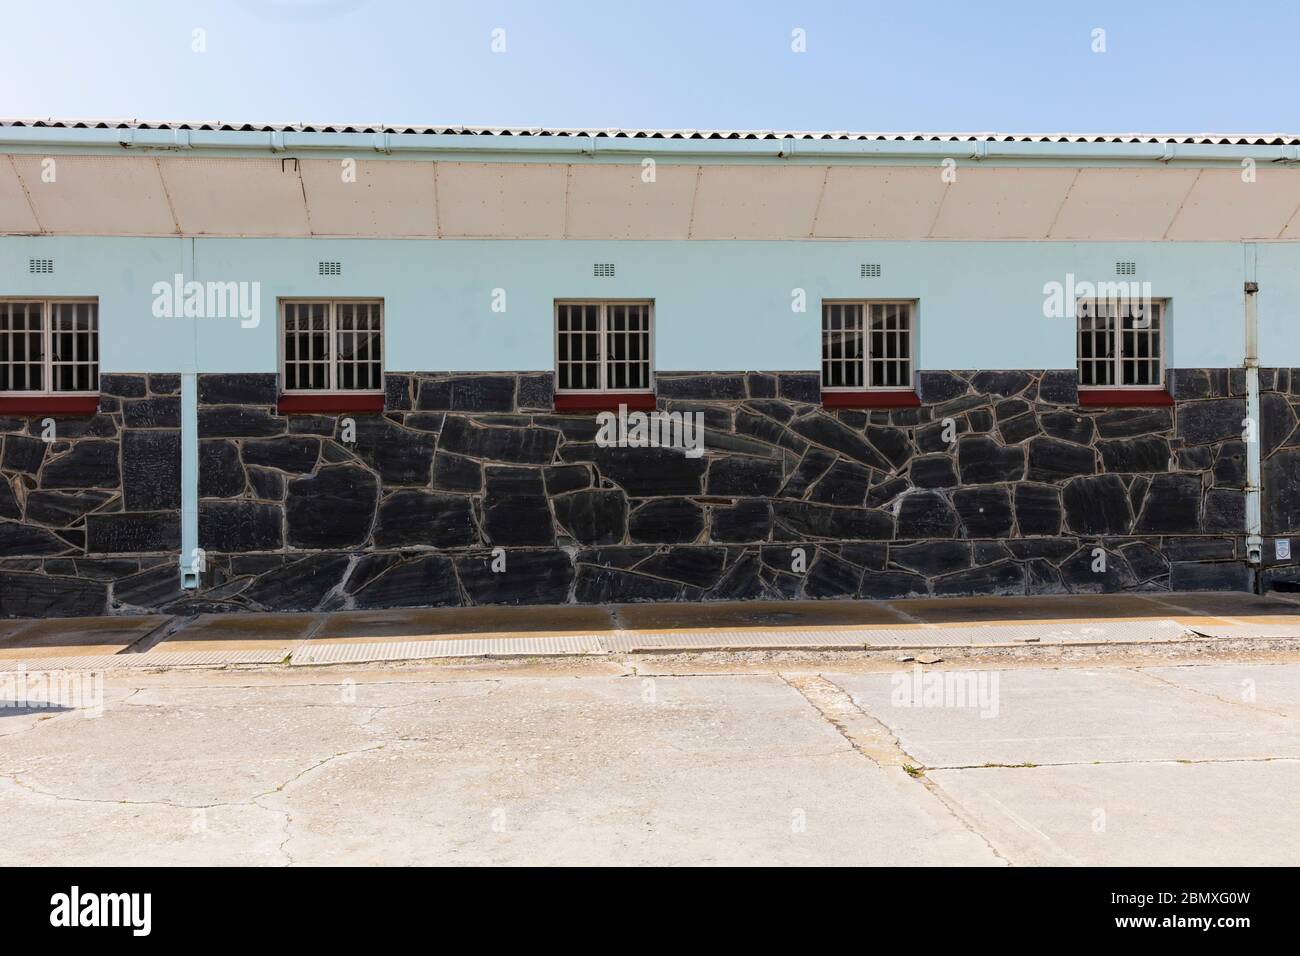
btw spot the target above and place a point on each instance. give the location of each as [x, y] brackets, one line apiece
[425, 624]
[1140, 814]
[1044, 609]
[766, 615]
[211, 633]
[11, 627]
[1234, 615]
[75, 636]
[1040, 716]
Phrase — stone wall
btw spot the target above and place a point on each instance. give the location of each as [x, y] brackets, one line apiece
[409, 512]
[90, 517]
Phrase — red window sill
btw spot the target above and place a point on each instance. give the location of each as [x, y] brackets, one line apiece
[1125, 397]
[49, 405]
[329, 404]
[870, 399]
[605, 402]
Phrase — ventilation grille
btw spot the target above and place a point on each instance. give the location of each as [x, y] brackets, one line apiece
[870, 270]
[1125, 268]
[45, 266]
[329, 268]
[603, 269]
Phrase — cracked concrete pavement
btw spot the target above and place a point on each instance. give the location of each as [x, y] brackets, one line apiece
[676, 760]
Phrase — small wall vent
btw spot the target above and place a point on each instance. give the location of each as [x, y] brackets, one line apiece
[1125, 268]
[869, 270]
[603, 270]
[329, 268]
[41, 266]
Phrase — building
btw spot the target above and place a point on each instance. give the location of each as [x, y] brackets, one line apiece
[290, 367]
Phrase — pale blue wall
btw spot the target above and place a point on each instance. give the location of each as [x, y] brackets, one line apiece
[719, 305]
[1278, 266]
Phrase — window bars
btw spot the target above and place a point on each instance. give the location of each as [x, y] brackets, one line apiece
[49, 346]
[1121, 343]
[603, 346]
[867, 345]
[332, 345]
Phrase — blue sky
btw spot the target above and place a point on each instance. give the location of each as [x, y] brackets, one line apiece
[1004, 65]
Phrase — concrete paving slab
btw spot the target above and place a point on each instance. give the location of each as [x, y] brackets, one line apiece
[549, 763]
[73, 636]
[585, 771]
[551, 770]
[109, 834]
[770, 615]
[427, 624]
[1140, 814]
[210, 745]
[1042, 716]
[241, 632]
[1270, 687]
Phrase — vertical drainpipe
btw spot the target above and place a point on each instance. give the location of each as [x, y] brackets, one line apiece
[190, 559]
[1254, 543]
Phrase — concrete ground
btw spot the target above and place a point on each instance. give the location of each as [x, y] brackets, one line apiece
[1145, 756]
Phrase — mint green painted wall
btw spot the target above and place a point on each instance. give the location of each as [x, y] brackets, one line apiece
[719, 305]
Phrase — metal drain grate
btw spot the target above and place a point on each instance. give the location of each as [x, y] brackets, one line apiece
[425, 650]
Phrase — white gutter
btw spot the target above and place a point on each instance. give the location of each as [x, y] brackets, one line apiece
[1254, 542]
[276, 142]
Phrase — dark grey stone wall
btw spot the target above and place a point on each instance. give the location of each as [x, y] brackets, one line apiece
[409, 512]
[97, 508]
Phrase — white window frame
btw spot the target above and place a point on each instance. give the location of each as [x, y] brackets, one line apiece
[912, 322]
[1118, 359]
[332, 363]
[47, 304]
[602, 328]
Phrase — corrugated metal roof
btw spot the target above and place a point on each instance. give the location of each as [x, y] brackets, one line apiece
[1206, 139]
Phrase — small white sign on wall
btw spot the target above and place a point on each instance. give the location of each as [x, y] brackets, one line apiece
[1282, 549]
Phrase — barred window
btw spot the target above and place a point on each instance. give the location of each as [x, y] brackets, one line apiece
[867, 345]
[603, 346]
[49, 346]
[332, 345]
[1120, 343]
